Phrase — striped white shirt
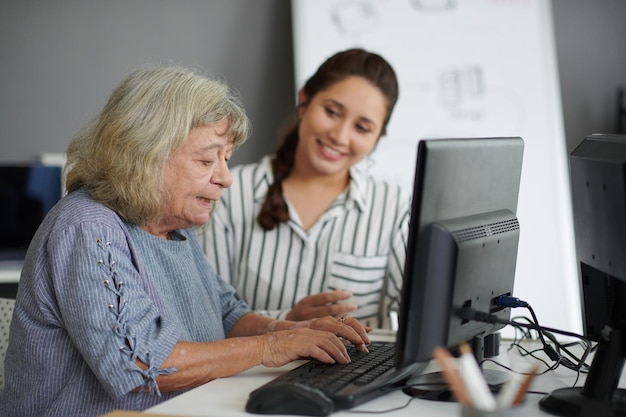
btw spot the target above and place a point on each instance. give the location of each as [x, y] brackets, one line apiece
[358, 245]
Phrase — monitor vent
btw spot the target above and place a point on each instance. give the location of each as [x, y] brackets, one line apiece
[485, 230]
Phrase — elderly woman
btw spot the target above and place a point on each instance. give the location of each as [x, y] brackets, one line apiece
[117, 307]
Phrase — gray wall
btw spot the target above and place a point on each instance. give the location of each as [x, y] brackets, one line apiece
[61, 59]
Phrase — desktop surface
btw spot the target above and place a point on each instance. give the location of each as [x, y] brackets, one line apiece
[228, 396]
[10, 272]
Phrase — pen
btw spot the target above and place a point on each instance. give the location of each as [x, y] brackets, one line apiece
[474, 381]
[514, 390]
[509, 391]
[523, 389]
[451, 374]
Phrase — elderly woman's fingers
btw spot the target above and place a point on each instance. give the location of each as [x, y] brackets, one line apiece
[285, 346]
[344, 326]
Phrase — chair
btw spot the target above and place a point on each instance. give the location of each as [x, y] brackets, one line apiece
[6, 311]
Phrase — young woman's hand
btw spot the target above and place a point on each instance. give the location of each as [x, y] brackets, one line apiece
[322, 304]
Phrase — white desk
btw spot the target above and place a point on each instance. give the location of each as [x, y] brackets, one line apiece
[10, 275]
[227, 397]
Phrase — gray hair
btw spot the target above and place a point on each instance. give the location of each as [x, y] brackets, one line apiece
[120, 156]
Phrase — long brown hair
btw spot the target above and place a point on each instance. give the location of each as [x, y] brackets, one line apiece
[351, 62]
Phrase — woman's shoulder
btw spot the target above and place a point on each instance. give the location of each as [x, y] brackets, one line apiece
[379, 189]
[78, 207]
[76, 214]
[251, 179]
[261, 167]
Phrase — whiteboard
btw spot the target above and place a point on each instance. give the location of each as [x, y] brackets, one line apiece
[469, 68]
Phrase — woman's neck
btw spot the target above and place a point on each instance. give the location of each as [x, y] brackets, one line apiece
[312, 196]
[158, 231]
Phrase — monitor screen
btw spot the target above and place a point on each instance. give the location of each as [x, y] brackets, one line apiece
[598, 180]
[462, 244]
[27, 193]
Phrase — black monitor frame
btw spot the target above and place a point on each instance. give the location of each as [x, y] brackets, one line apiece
[462, 244]
[598, 180]
[461, 252]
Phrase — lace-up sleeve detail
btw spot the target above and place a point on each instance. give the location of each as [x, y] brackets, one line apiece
[110, 309]
[114, 283]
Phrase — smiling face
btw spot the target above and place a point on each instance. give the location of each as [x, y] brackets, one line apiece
[194, 177]
[339, 126]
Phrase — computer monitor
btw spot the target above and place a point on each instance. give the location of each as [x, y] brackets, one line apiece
[598, 180]
[27, 192]
[462, 243]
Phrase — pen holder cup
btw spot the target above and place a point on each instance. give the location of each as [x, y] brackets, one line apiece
[509, 412]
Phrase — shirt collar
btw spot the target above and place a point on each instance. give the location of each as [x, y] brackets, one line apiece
[263, 178]
[358, 188]
[357, 191]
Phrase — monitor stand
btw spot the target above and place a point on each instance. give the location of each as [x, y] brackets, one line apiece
[433, 386]
[600, 395]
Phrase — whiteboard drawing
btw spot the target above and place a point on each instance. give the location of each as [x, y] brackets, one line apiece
[468, 68]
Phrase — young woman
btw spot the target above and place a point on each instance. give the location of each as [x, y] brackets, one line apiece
[306, 233]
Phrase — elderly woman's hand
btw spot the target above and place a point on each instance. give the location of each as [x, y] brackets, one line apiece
[321, 339]
[346, 327]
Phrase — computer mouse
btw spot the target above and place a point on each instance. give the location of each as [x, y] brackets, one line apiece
[289, 398]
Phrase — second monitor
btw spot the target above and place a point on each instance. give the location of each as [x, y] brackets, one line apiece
[463, 242]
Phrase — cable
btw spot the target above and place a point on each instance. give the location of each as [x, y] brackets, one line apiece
[467, 313]
[508, 301]
[571, 362]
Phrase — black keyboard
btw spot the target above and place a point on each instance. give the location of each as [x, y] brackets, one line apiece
[316, 388]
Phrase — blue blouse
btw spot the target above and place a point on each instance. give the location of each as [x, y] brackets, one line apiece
[95, 295]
